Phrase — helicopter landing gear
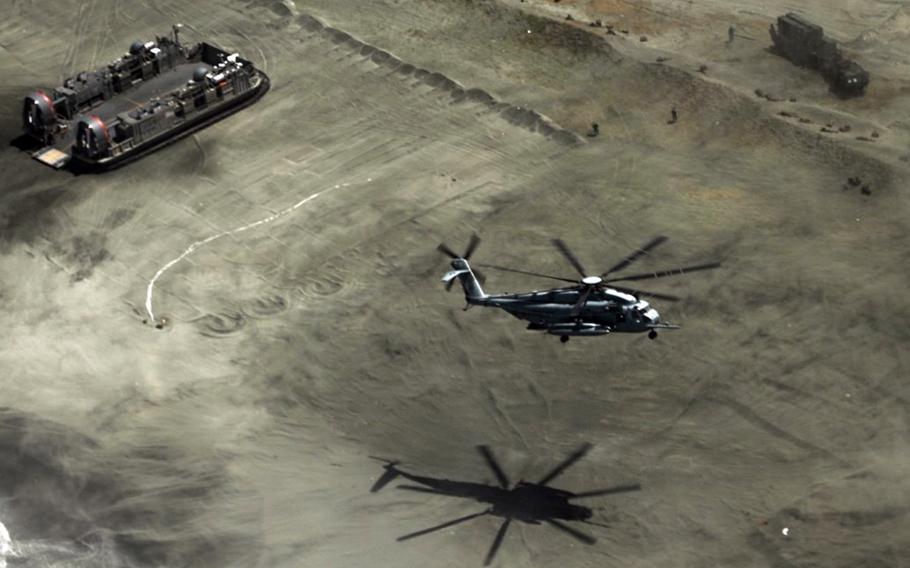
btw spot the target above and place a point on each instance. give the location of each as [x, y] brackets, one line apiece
[652, 334]
[564, 338]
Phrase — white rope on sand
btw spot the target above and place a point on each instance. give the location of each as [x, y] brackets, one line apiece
[151, 287]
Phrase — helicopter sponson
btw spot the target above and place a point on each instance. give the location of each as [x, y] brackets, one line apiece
[572, 329]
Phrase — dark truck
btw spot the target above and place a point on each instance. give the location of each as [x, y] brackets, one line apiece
[805, 44]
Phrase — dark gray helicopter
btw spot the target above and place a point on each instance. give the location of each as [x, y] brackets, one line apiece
[592, 306]
[531, 503]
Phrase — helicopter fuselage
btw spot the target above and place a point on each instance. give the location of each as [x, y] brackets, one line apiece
[551, 310]
[595, 305]
[530, 502]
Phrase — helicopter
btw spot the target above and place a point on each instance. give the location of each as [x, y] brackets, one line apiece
[592, 306]
[527, 502]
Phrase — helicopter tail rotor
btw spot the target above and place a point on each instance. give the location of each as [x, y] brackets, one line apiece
[390, 474]
[471, 279]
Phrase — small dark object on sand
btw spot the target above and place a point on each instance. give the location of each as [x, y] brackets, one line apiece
[595, 130]
[673, 116]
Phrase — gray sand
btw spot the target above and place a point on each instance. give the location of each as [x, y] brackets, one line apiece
[239, 434]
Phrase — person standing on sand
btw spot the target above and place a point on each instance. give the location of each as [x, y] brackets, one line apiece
[673, 115]
[731, 34]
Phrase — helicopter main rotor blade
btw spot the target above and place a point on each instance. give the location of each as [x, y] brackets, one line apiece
[507, 269]
[663, 273]
[494, 465]
[570, 256]
[635, 255]
[573, 532]
[566, 463]
[610, 491]
[444, 249]
[442, 526]
[636, 292]
[582, 300]
[472, 246]
[596, 524]
[497, 542]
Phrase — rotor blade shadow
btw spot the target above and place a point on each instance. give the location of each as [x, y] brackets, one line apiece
[494, 465]
[566, 463]
[430, 490]
[609, 491]
[574, 533]
[442, 526]
[497, 542]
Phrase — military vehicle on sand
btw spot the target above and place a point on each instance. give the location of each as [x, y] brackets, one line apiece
[806, 45]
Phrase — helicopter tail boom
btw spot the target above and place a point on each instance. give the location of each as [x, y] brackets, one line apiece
[473, 292]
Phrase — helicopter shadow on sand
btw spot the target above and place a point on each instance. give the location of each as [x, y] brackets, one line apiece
[528, 502]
